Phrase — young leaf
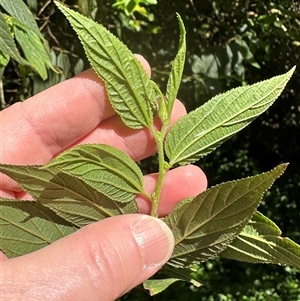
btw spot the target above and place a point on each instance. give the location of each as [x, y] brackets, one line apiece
[201, 131]
[103, 167]
[128, 86]
[207, 224]
[176, 71]
[27, 226]
[261, 242]
[66, 195]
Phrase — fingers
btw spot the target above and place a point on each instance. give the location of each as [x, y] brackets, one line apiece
[99, 262]
[137, 144]
[44, 125]
[52, 120]
[180, 183]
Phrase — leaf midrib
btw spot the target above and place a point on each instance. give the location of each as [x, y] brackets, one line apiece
[18, 225]
[61, 187]
[198, 137]
[213, 216]
[119, 67]
[108, 168]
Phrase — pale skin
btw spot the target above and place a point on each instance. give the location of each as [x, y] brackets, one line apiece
[104, 260]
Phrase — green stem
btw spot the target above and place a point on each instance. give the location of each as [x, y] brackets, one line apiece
[159, 136]
[162, 165]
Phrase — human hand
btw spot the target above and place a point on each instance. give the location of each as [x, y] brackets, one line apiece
[96, 262]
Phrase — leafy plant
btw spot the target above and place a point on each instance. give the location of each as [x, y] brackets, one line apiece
[90, 182]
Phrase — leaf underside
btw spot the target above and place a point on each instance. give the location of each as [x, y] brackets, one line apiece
[27, 226]
[202, 130]
[204, 226]
[156, 286]
[261, 242]
[160, 282]
[91, 182]
[69, 197]
[128, 86]
[103, 167]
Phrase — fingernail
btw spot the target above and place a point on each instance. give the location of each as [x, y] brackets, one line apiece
[155, 239]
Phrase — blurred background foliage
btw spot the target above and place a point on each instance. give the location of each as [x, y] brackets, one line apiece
[229, 43]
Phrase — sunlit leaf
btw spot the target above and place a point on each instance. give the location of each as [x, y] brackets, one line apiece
[27, 226]
[207, 224]
[103, 167]
[202, 130]
[69, 197]
[261, 242]
[128, 86]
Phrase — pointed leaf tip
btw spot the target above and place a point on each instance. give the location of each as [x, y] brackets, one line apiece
[128, 86]
[261, 242]
[201, 131]
[204, 226]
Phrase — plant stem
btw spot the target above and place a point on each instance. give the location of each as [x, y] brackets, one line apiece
[159, 137]
[163, 168]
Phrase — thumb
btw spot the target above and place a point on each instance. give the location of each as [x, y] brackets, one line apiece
[101, 261]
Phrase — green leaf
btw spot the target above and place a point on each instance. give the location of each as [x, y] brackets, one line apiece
[261, 242]
[128, 86]
[19, 10]
[156, 286]
[33, 49]
[80, 204]
[7, 43]
[177, 69]
[160, 283]
[103, 167]
[27, 226]
[4, 59]
[68, 196]
[204, 226]
[180, 274]
[201, 131]
[246, 52]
